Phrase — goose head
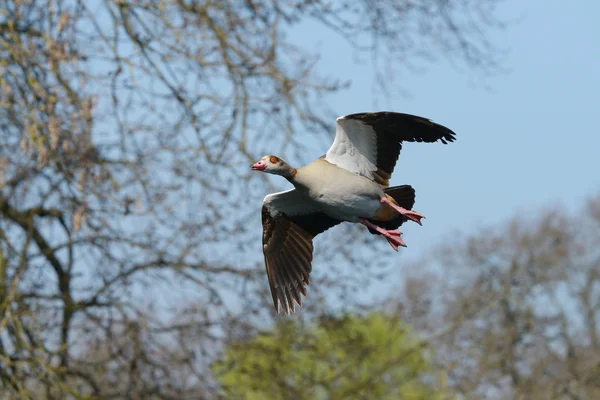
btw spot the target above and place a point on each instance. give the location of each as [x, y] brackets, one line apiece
[274, 165]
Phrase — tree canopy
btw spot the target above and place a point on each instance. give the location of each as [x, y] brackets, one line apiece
[350, 357]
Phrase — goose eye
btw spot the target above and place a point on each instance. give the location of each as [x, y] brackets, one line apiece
[274, 160]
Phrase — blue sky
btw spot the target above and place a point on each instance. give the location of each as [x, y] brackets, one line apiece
[527, 138]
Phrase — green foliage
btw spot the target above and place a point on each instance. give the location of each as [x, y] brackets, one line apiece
[369, 357]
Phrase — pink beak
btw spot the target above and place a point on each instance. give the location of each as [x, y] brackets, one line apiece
[259, 166]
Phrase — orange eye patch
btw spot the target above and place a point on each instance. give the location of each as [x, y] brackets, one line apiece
[274, 160]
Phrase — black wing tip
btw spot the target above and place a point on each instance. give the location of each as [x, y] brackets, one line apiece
[446, 134]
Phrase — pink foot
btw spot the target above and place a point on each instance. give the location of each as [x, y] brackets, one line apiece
[409, 214]
[393, 237]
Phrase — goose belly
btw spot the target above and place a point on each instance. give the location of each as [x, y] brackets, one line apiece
[349, 207]
[348, 199]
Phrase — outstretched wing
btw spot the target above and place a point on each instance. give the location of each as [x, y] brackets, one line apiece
[289, 225]
[369, 144]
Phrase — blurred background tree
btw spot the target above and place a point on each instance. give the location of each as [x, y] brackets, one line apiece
[371, 356]
[515, 310]
[126, 259]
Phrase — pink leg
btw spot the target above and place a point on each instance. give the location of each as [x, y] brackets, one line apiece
[393, 237]
[409, 214]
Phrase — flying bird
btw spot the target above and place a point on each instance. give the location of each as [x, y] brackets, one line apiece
[350, 183]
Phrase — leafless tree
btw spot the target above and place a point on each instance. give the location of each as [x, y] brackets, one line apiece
[126, 130]
[514, 311]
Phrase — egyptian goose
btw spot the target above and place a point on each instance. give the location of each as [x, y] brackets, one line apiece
[349, 183]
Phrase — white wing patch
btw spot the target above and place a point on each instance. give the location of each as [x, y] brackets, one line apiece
[354, 147]
[289, 202]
